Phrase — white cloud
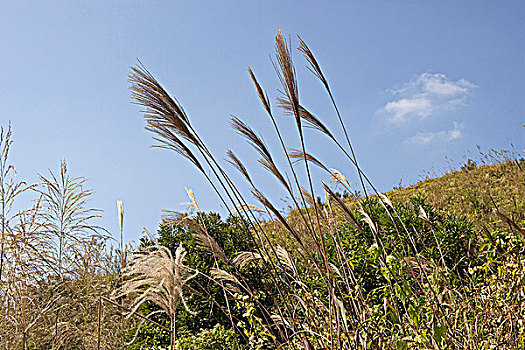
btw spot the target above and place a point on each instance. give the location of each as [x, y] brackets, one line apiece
[401, 108]
[424, 95]
[427, 138]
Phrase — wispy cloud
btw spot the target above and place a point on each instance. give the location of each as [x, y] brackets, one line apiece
[427, 138]
[424, 95]
[400, 109]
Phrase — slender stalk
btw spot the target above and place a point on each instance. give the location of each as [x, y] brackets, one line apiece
[172, 333]
[4, 144]
[99, 321]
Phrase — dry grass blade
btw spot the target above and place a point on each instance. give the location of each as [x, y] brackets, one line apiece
[182, 219]
[263, 96]
[286, 259]
[264, 201]
[416, 263]
[336, 175]
[368, 220]
[327, 198]
[423, 214]
[305, 115]
[307, 196]
[510, 222]
[343, 206]
[236, 162]
[205, 241]
[258, 143]
[255, 140]
[341, 311]
[174, 217]
[272, 168]
[286, 74]
[315, 68]
[169, 140]
[246, 207]
[281, 321]
[160, 107]
[244, 258]
[385, 200]
[298, 156]
[228, 281]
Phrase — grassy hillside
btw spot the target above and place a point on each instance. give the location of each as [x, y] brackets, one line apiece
[485, 194]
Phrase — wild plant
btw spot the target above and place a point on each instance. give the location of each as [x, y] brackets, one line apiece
[364, 273]
[155, 275]
[10, 188]
[58, 266]
[167, 119]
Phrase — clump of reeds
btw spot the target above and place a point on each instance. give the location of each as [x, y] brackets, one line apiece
[54, 263]
[319, 297]
[155, 275]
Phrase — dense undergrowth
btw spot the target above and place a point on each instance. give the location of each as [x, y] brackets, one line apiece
[438, 265]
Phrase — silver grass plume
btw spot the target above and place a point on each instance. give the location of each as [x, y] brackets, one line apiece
[155, 275]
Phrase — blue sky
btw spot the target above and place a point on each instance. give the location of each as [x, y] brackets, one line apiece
[418, 84]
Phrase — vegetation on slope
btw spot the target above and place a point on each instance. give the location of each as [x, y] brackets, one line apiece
[486, 194]
[459, 261]
[436, 266]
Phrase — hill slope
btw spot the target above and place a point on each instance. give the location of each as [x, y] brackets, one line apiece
[486, 194]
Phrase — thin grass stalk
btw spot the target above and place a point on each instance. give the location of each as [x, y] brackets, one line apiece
[5, 143]
[316, 69]
[288, 80]
[99, 321]
[349, 271]
[238, 197]
[270, 269]
[308, 223]
[266, 103]
[120, 208]
[229, 313]
[286, 75]
[202, 148]
[363, 176]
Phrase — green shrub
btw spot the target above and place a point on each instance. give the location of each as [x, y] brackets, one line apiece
[216, 338]
[208, 299]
